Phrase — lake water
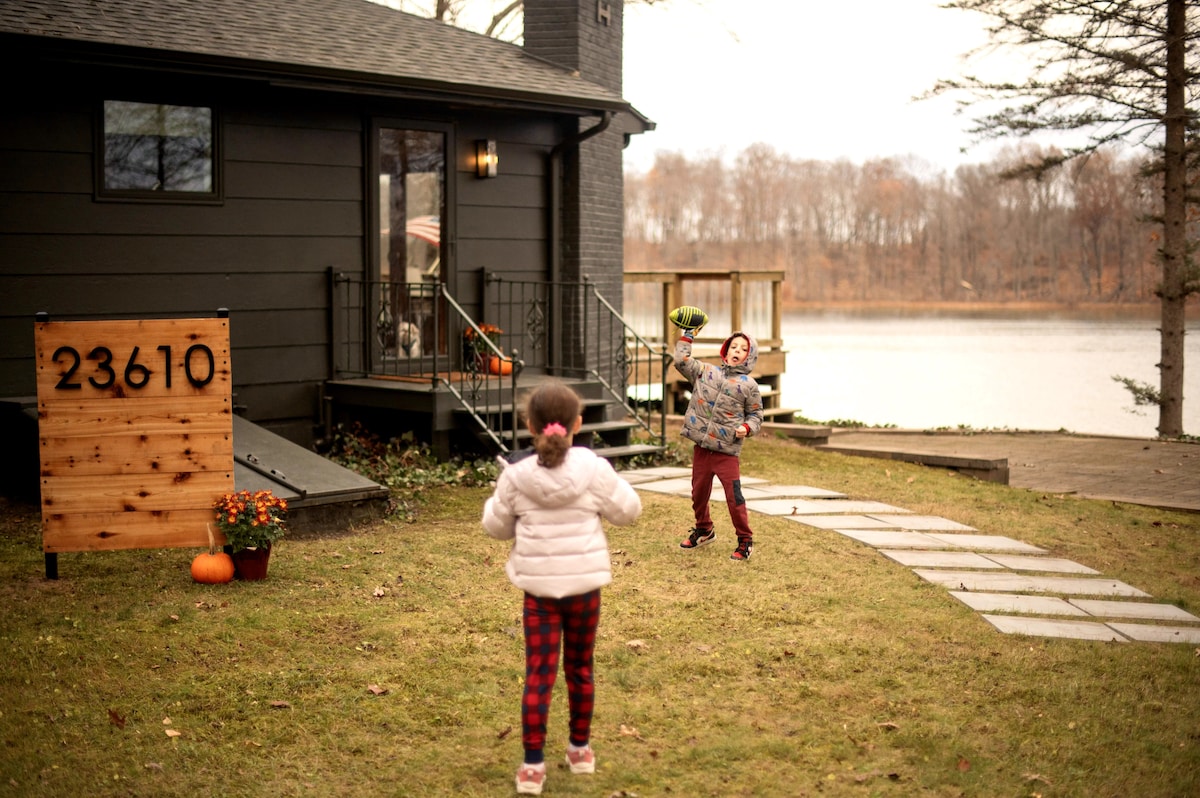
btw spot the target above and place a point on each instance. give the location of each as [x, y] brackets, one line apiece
[985, 373]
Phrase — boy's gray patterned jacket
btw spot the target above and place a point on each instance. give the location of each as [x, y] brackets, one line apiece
[724, 397]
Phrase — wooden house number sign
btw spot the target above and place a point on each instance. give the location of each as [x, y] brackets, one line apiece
[135, 426]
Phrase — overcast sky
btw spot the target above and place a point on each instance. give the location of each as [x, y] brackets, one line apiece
[819, 79]
[815, 79]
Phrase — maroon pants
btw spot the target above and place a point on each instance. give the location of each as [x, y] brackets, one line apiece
[550, 623]
[707, 464]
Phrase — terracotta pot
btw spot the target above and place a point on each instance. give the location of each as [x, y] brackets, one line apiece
[251, 564]
[498, 366]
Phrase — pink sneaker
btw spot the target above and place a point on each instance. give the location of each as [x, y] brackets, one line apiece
[530, 779]
[582, 760]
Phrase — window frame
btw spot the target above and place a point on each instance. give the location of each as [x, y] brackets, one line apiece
[104, 194]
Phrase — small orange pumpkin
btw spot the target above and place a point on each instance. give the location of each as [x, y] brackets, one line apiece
[500, 366]
[214, 567]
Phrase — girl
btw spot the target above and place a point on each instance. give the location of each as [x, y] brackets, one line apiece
[551, 507]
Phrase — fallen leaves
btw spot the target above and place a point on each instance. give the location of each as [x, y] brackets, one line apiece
[631, 731]
[116, 719]
[375, 689]
[637, 646]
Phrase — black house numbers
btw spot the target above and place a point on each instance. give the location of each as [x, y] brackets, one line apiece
[102, 370]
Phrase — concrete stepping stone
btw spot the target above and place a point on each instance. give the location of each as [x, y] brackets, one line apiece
[1007, 602]
[841, 523]
[1020, 583]
[638, 477]
[939, 559]
[675, 487]
[924, 523]
[1047, 627]
[717, 486]
[886, 538]
[678, 486]
[820, 507]
[1139, 610]
[986, 543]
[662, 472]
[1019, 562]
[792, 492]
[1158, 634]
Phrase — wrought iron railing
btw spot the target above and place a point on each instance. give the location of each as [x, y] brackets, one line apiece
[405, 331]
[569, 329]
[419, 333]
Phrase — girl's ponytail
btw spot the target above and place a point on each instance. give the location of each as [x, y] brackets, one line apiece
[551, 412]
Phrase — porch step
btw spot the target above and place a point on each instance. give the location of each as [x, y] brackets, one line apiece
[586, 428]
[631, 450]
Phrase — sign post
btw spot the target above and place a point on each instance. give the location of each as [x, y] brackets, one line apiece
[135, 426]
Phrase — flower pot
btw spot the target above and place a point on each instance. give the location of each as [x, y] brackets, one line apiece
[251, 564]
[500, 366]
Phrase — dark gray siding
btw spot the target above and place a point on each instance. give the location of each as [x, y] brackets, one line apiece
[294, 175]
[292, 207]
[503, 223]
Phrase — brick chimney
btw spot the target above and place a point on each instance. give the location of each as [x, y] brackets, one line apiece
[586, 36]
[582, 35]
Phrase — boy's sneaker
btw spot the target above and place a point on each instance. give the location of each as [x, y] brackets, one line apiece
[530, 779]
[743, 551]
[582, 760]
[698, 537]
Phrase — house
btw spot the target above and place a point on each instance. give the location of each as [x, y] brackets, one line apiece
[348, 180]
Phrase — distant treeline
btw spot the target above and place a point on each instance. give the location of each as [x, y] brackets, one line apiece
[901, 230]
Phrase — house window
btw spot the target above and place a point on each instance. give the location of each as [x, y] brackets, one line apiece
[412, 175]
[156, 150]
[412, 205]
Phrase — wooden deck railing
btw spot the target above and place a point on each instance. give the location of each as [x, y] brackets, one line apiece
[750, 301]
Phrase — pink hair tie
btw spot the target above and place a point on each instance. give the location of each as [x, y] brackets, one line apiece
[554, 428]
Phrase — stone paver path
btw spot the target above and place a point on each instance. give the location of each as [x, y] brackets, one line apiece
[1015, 587]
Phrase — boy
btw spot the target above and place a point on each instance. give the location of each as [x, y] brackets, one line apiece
[725, 409]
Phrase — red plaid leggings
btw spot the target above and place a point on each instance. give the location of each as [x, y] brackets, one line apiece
[550, 623]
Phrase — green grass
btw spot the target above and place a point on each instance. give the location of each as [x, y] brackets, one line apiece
[388, 661]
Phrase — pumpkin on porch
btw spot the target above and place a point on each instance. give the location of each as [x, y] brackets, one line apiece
[498, 365]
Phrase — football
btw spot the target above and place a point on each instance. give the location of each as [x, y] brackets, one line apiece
[688, 317]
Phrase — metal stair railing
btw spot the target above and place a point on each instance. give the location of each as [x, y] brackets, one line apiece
[406, 330]
[470, 384]
[628, 378]
[571, 329]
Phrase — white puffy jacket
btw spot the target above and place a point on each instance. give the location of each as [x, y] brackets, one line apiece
[553, 517]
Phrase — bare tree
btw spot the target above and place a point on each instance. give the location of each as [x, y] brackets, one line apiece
[1110, 72]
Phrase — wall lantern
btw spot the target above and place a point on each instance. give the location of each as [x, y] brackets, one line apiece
[486, 159]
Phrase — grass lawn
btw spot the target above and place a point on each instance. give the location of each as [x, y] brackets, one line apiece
[388, 661]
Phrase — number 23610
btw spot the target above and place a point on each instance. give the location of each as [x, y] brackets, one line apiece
[199, 367]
